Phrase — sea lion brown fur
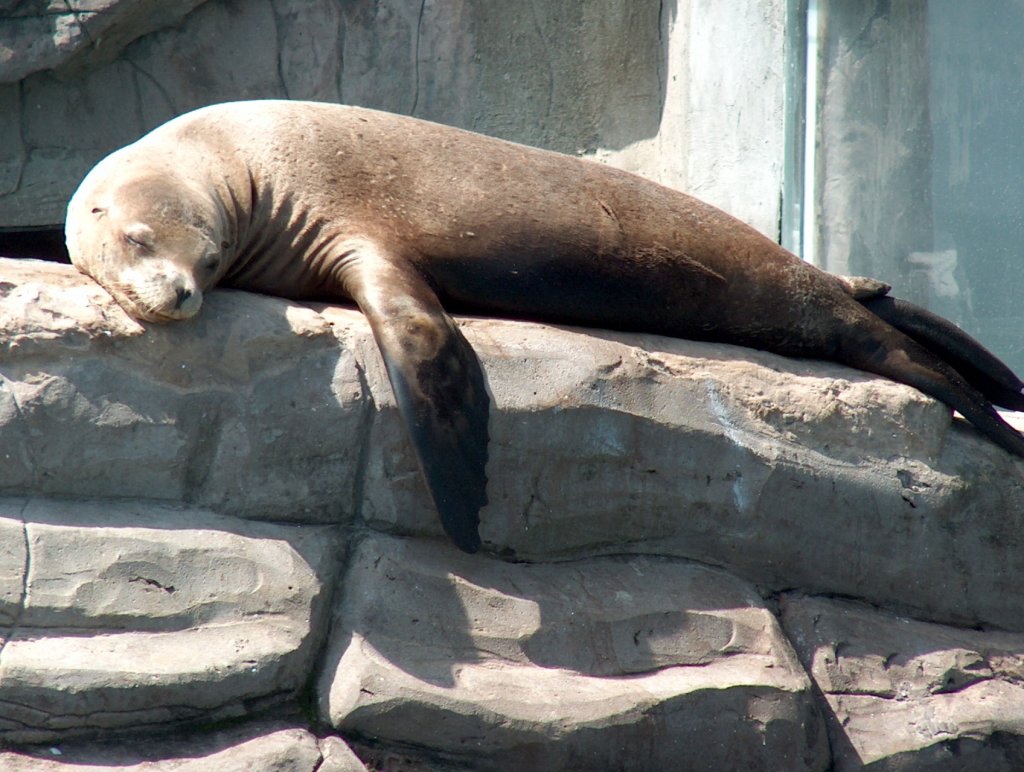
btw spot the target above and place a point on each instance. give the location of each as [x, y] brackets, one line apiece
[409, 218]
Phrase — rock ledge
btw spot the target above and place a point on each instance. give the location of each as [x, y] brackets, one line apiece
[206, 521]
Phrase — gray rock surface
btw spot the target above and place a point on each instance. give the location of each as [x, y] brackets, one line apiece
[263, 746]
[180, 424]
[43, 34]
[602, 663]
[132, 614]
[791, 473]
[904, 694]
[180, 502]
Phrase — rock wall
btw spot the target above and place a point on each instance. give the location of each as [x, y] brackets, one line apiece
[218, 553]
[631, 83]
[696, 556]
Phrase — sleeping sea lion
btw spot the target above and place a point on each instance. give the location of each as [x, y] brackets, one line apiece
[412, 219]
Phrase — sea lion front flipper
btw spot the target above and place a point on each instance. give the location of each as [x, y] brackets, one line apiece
[437, 382]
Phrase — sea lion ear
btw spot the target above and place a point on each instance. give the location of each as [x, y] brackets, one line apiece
[99, 211]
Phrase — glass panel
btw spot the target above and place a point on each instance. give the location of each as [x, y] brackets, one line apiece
[917, 164]
[800, 91]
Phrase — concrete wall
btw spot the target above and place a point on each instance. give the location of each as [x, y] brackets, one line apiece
[687, 92]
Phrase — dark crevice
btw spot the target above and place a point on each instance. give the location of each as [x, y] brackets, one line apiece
[43, 243]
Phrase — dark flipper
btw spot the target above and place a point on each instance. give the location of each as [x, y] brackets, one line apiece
[438, 385]
[979, 367]
[882, 349]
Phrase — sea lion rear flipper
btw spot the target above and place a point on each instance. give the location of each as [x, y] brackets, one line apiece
[978, 366]
[875, 346]
[437, 382]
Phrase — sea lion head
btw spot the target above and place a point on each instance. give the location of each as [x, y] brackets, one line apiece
[150, 236]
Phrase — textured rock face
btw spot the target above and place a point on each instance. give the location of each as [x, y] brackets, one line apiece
[179, 503]
[626, 82]
[905, 694]
[592, 664]
[41, 35]
[136, 614]
[258, 747]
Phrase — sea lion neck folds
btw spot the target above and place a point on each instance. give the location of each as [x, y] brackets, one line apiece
[406, 217]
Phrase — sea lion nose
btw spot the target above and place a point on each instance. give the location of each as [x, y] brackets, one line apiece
[183, 295]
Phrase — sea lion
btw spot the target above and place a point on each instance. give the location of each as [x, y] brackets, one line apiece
[408, 218]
